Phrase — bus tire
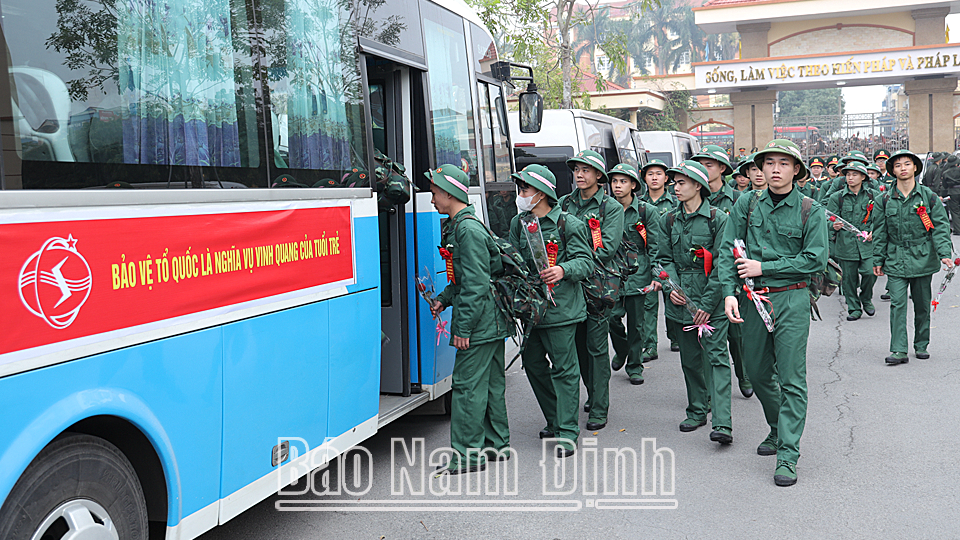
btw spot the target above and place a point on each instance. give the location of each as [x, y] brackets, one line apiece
[78, 486]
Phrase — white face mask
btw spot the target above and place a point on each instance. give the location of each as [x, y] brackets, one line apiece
[526, 204]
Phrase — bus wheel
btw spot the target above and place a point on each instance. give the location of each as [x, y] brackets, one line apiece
[78, 488]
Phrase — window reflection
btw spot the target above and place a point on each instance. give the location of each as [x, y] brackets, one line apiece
[450, 87]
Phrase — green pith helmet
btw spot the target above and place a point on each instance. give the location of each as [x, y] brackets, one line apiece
[712, 151]
[854, 155]
[326, 183]
[451, 179]
[744, 165]
[653, 163]
[804, 173]
[779, 146]
[287, 181]
[874, 168]
[901, 153]
[855, 166]
[627, 170]
[539, 177]
[591, 158]
[356, 178]
[693, 170]
[816, 161]
[119, 185]
[881, 154]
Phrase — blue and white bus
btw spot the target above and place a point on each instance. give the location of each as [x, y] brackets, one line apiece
[197, 279]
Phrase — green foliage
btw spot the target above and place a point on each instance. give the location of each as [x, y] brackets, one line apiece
[669, 119]
[820, 102]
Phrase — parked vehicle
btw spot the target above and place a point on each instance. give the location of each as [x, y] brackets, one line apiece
[565, 132]
[671, 147]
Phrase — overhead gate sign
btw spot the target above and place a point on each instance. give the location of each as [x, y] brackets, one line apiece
[63, 281]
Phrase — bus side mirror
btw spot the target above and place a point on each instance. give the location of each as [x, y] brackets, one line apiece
[531, 110]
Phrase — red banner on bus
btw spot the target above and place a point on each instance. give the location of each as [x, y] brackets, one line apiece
[70, 279]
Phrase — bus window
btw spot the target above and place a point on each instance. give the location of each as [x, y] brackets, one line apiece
[315, 98]
[396, 24]
[501, 207]
[551, 157]
[141, 88]
[451, 104]
[484, 50]
[493, 141]
[625, 150]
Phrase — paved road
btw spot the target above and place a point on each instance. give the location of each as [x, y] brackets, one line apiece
[879, 456]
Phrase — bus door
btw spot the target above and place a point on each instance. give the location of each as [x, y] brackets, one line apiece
[399, 132]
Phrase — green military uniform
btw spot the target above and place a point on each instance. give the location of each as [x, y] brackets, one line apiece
[664, 204]
[629, 343]
[950, 182]
[703, 358]
[724, 199]
[478, 417]
[556, 383]
[592, 334]
[790, 251]
[855, 256]
[909, 255]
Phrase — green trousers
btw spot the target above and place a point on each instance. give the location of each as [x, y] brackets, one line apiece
[672, 330]
[735, 342]
[706, 373]
[478, 416]
[776, 364]
[556, 384]
[921, 292]
[630, 342]
[857, 276]
[593, 350]
[651, 304]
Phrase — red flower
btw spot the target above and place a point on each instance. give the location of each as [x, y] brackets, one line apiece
[594, 223]
[640, 227]
[664, 275]
[869, 207]
[956, 262]
[445, 253]
[553, 248]
[883, 188]
[921, 209]
[832, 218]
[532, 227]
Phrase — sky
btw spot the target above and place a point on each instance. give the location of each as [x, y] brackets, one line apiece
[868, 99]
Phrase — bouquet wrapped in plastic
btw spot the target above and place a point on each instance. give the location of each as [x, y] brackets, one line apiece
[544, 256]
[428, 292]
[740, 252]
[846, 225]
[702, 329]
[943, 284]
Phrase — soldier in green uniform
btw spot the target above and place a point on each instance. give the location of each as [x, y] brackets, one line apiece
[654, 175]
[786, 241]
[907, 250]
[604, 216]
[555, 383]
[875, 175]
[880, 158]
[950, 184]
[641, 224]
[840, 182]
[478, 416]
[691, 237]
[713, 158]
[857, 205]
[816, 171]
[806, 187]
[741, 179]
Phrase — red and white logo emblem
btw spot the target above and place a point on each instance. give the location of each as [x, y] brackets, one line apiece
[55, 282]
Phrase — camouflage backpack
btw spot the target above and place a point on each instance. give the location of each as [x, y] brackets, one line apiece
[602, 287]
[519, 295]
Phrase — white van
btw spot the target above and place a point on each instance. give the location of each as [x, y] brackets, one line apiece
[671, 147]
[565, 132]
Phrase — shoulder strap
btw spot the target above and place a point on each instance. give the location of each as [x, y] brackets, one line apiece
[565, 202]
[603, 206]
[671, 216]
[713, 225]
[643, 212]
[753, 203]
[805, 208]
[562, 226]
